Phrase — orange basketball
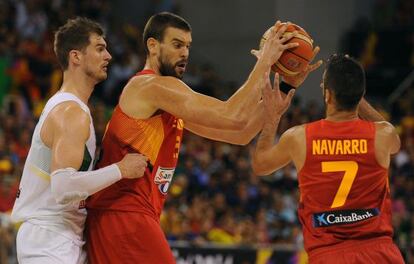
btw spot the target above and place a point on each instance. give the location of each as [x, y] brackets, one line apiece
[293, 60]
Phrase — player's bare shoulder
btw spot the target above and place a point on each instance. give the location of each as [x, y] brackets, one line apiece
[295, 142]
[149, 85]
[384, 130]
[385, 127]
[138, 83]
[163, 83]
[66, 117]
[387, 135]
[69, 112]
[295, 133]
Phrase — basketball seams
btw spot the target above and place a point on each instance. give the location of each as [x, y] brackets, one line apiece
[298, 55]
[299, 36]
[284, 69]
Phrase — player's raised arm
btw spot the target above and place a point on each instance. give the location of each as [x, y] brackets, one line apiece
[368, 112]
[249, 93]
[256, 120]
[267, 156]
[174, 96]
[238, 137]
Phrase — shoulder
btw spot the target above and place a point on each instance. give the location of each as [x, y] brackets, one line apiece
[154, 81]
[69, 116]
[387, 135]
[294, 132]
[154, 89]
[385, 127]
[293, 136]
[70, 109]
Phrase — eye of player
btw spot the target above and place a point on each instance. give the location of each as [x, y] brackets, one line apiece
[100, 47]
[178, 44]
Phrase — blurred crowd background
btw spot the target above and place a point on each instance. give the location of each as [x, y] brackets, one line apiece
[215, 198]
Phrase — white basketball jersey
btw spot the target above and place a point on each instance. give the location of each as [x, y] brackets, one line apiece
[34, 202]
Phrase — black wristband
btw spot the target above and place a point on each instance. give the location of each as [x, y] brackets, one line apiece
[285, 87]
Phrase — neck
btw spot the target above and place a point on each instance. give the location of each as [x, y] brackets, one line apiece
[80, 85]
[152, 63]
[334, 115]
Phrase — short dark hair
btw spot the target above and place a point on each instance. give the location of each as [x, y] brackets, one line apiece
[74, 35]
[345, 78]
[158, 23]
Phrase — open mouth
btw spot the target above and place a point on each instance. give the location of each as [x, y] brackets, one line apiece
[181, 66]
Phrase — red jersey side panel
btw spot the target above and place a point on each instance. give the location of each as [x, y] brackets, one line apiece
[123, 220]
[344, 191]
[159, 139]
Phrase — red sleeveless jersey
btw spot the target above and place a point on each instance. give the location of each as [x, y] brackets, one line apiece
[344, 192]
[158, 138]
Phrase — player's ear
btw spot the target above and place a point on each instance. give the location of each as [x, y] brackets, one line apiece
[75, 57]
[153, 46]
[328, 96]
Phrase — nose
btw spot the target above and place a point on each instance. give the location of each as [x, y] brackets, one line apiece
[185, 53]
[108, 56]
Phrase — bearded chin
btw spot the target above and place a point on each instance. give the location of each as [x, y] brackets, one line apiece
[94, 75]
[166, 69]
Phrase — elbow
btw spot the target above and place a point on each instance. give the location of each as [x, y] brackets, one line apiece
[239, 141]
[243, 140]
[258, 170]
[56, 184]
[57, 194]
[62, 190]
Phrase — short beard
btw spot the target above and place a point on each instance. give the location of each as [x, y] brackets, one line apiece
[92, 75]
[167, 69]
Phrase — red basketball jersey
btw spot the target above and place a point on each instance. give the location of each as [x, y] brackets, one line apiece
[158, 138]
[344, 192]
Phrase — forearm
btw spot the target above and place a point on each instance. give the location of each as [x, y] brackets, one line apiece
[254, 126]
[367, 112]
[237, 137]
[69, 185]
[267, 136]
[264, 144]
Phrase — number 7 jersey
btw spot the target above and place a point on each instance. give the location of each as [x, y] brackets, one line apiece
[344, 192]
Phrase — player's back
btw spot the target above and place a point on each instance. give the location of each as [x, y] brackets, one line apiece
[344, 190]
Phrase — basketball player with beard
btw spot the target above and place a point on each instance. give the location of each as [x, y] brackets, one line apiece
[123, 220]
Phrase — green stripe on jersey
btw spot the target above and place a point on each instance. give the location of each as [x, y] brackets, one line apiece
[87, 159]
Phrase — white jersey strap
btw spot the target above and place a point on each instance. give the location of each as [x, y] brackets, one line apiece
[63, 97]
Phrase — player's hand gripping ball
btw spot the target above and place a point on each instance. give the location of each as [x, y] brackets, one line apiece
[296, 59]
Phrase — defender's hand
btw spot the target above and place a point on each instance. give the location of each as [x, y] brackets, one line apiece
[132, 166]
